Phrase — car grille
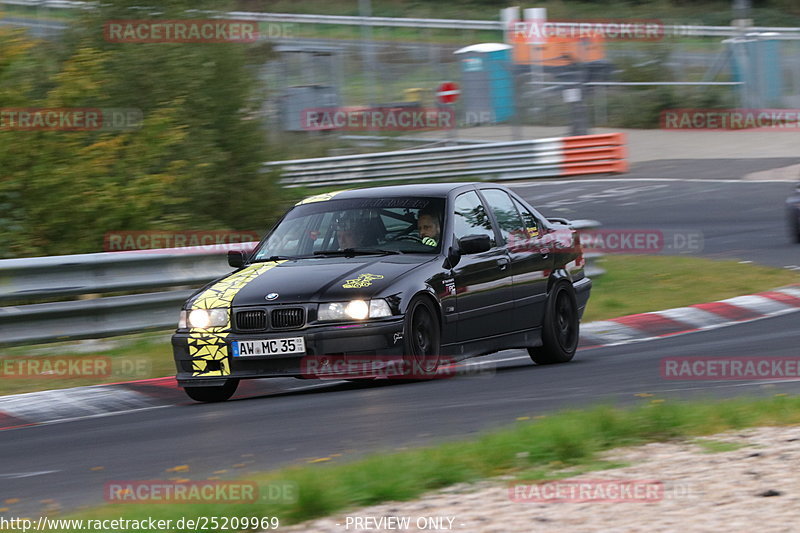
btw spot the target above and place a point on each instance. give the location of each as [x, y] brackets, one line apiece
[251, 320]
[292, 317]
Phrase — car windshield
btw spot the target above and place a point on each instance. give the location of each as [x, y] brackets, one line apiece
[356, 226]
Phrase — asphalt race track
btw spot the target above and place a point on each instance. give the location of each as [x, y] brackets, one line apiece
[302, 421]
[288, 428]
[742, 220]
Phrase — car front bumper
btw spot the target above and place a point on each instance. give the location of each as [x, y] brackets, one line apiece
[206, 359]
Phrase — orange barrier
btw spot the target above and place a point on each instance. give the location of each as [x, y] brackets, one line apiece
[594, 154]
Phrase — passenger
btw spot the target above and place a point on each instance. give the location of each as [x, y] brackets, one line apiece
[349, 234]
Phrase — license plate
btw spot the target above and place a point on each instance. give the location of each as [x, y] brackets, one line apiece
[269, 347]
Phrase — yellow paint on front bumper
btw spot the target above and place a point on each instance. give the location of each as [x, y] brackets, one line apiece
[208, 344]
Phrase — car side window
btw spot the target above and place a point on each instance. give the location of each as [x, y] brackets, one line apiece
[505, 212]
[471, 218]
[532, 225]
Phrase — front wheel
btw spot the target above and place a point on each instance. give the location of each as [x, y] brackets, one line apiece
[421, 339]
[559, 328]
[213, 394]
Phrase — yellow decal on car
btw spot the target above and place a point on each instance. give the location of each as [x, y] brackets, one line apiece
[208, 344]
[363, 280]
[319, 197]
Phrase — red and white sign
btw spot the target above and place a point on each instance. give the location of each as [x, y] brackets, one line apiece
[448, 92]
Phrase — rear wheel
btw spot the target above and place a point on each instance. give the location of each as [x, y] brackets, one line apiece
[213, 394]
[559, 328]
[421, 339]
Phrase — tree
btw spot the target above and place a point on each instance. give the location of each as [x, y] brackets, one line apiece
[193, 163]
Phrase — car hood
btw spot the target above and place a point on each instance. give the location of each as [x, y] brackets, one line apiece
[311, 280]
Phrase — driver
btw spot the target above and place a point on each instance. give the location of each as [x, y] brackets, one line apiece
[429, 227]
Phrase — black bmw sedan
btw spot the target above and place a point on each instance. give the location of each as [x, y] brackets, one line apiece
[421, 274]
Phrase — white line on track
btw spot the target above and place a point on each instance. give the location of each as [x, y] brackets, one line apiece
[20, 475]
[624, 180]
[85, 417]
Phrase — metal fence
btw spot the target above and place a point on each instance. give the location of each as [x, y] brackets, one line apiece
[404, 59]
[673, 30]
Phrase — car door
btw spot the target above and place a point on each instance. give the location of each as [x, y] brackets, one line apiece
[484, 301]
[531, 259]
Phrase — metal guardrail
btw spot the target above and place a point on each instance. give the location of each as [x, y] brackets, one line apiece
[41, 278]
[674, 30]
[89, 275]
[558, 156]
[90, 319]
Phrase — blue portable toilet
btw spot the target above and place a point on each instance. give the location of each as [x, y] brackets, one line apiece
[487, 83]
[758, 65]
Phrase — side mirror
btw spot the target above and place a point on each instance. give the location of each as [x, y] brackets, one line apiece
[236, 258]
[474, 244]
[453, 257]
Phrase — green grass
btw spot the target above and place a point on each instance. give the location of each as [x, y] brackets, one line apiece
[633, 284]
[552, 447]
[132, 357]
[717, 446]
[552, 471]
[638, 284]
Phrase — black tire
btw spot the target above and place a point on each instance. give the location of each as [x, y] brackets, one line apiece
[560, 328]
[213, 394]
[421, 339]
[794, 227]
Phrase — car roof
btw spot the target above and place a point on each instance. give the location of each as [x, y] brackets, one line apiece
[414, 189]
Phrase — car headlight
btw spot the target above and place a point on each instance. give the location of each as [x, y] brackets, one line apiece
[208, 318]
[353, 310]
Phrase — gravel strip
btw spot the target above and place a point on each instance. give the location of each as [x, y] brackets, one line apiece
[755, 487]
